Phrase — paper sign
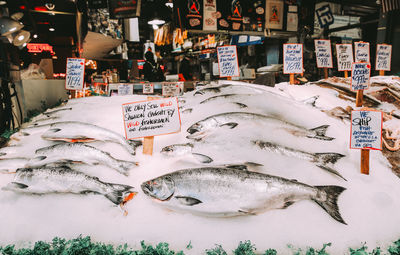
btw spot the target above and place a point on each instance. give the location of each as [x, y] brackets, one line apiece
[209, 17]
[227, 61]
[125, 89]
[75, 73]
[366, 130]
[383, 57]
[344, 53]
[323, 53]
[292, 58]
[148, 88]
[171, 89]
[360, 73]
[151, 118]
[361, 52]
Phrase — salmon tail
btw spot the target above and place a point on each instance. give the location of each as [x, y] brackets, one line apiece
[125, 166]
[118, 193]
[328, 200]
[319, 133]
[331, 170]
[325, 158]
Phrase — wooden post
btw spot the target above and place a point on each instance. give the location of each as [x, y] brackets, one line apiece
[326, 74]
[359, 98]
[148, 141]
[346, 74]
[381, 72]
[291, 78]
[364, 161]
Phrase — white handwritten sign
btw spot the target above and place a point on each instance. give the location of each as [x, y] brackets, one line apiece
[344, 53]
[171, 89]
[292, 58]
[75, 73]
[383, 57]
[125, 89]
[227, 61]
[148, 88]
[360, 73]
[152, 117]
[361, 52]
[323, 53]
[366, 130]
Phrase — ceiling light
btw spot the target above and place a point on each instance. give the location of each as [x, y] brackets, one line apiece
[35, 36]
[21, 38]
[23, 45]
[155, 27]
[52, 29]
[170, 4]
[3, 2]
[9, 26]
[156, 21]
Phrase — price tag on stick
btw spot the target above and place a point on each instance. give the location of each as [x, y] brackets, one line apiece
[383, 58]
[292, 59]
[228, 61]
[75, 72]
[361, 52]
[360, 75]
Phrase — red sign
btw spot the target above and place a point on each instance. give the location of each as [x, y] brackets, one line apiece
[39, 48]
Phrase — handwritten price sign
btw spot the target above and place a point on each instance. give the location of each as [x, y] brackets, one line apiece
[292, 58]
[150, 118]
[383, 57]
[361, 52]
[148, 88]
[227, 61]
[75, 73]
[360, 74]
[125, 89]
[344, 53]
[171, 89]
[366, 130]
[323, 53]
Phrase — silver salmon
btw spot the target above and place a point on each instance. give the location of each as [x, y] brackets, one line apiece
[227, 87]
[222, 192]
[62, 179]
[78, 152]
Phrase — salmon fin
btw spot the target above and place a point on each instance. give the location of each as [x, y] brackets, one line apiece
[15, 186]
[117, 196]
[331, 170]
[202, 158]
[236, 166]
[331, 193]
[231, 125]
[190, 201]
[287, 204]
[325, 158]
[320, 133]
[241, 105]
[55, 130]
[246, 212]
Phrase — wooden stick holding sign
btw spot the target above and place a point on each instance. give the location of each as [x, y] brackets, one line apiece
[150, 118]
[360, 76]
[292, 59]
[383, 58]
[323, 54]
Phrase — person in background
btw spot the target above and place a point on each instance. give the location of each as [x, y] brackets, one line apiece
[152, 71]
[184, 68]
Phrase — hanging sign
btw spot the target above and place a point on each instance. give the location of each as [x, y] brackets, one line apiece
[361, 52]
[325, 17]
[236, 15]
[344, 54]
[209, 15]
[274, 14]
[148, 88]
[171, 89]
[383, 57]
[292, 58]
[360, 74]
[191, 13]
[227, 61]
[366, 130]
[323, 53]
[124, 8]
[125, 89]
[74, 79]
[150, 118]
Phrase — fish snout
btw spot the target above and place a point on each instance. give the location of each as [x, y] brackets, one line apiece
[147, 188]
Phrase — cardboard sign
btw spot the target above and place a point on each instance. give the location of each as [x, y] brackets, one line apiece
[292, 58]
[227, 61]
[148, 88]
[171, 89]
[383, 57]
[74, 79]
[344, 53]
[151, 118]
[366, 130]
[125, 89]
[323, 53]
[361, 52]
[360, 74]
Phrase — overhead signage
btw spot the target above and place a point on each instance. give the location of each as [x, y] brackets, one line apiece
[383, 57]
[360, 74]
[120, 9]
[74, 79]
[324, 15]
[344, 54]
[323, 53]
[341, 21]
[171, 89]
[274, 14]
[39, 48]
[227, 61]
[236, 15]
[366, 130]
[125, 89]
[190, 13]
[151, 118]
[210, 17]
[361, 52]
[292, 58]
[148, 88]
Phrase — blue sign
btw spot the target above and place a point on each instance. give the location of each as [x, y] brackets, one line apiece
[325, 17]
